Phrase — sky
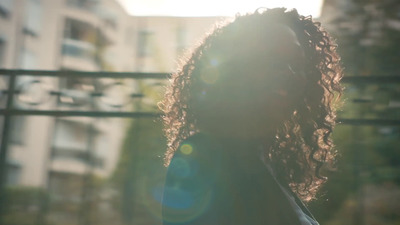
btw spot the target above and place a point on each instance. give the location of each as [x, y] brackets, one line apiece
[214, 7]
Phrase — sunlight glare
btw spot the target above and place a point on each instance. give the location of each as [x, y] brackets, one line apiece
[215, 8]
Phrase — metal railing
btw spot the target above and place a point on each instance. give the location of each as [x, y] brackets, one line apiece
[59, 101]
[17, 83]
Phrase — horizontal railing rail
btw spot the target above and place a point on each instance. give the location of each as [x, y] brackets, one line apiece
[89, 74]
[154, 75]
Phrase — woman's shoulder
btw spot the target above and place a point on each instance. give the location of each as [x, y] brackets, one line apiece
[190, 183]
[202, 174]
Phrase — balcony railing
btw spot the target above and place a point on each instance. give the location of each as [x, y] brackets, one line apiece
[101, 100]
[79, 49]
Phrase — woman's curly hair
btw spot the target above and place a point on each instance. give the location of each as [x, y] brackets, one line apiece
[302, 144]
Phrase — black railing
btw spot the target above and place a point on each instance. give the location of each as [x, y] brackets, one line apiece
[15, 86]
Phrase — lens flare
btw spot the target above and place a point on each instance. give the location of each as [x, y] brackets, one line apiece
[186, 149]
[150, 192]
[180, 168]
[214, 62]
[183, 206]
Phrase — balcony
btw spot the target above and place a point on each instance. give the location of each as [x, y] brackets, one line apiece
[83, 10]
[80, 49]
[88, 27]
[78, 55]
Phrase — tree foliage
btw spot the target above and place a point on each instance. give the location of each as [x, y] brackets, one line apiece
[368, 34]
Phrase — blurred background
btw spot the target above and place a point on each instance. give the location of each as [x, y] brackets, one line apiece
[81, 138]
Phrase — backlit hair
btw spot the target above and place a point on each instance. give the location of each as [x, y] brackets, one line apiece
[302, 144]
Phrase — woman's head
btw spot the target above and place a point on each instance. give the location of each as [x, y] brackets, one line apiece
[248, 85]
[271, 74]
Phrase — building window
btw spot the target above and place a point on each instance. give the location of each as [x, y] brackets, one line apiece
[13, 173]
[71, 134]
[2, 51]
[85, 157]
[33, 18]
[80, 30]
[79, 49]
[82, 39]
[76, 141]
[144, 47]
[5, 8]
[18, 130]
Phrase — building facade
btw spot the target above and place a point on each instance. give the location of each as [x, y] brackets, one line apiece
[82, 35]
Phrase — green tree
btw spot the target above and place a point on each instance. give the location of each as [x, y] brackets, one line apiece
[367, 34]
[140, 172]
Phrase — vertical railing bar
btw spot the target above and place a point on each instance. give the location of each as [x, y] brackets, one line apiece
[86, 197]
[4, 143]
[45, 202]
[86, 211]
[87, 191]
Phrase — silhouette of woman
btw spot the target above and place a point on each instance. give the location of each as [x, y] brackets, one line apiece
[248, 118]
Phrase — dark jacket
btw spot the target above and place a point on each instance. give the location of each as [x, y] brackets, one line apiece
[216, 182]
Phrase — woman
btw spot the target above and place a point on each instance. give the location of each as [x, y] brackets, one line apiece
[248, 118]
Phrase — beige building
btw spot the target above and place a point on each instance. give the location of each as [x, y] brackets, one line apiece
[162, 41]
[89, 35]
[53, 35]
